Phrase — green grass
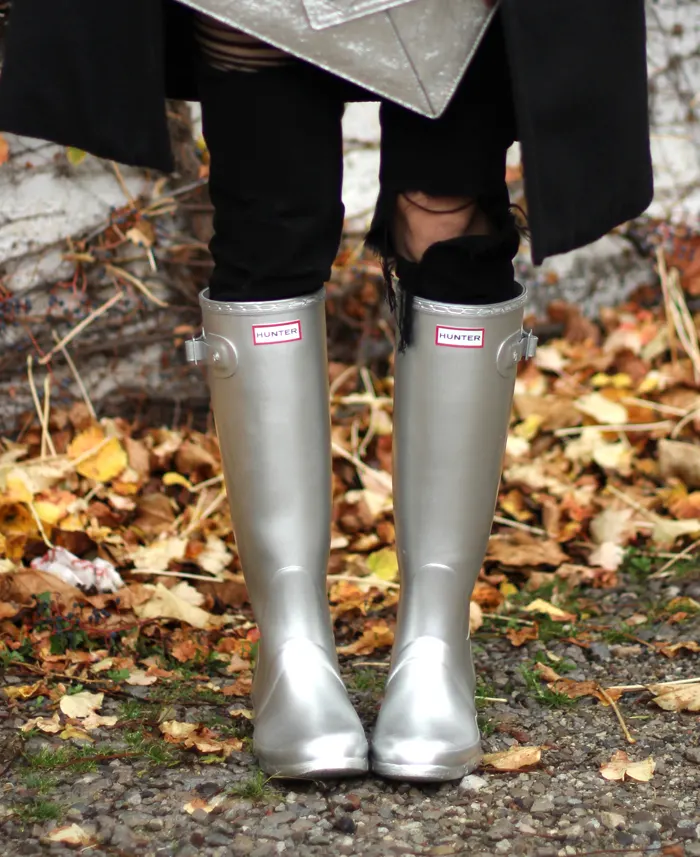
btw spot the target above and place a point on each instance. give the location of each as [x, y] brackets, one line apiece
[484, 688]
[39, 781]
[37, 810]
[133, 709]
[623, 634]
[255, 788]
[367, 679]
[75, 758]
[153, 750]
[486, 725]
[544, 695]
[638, 565]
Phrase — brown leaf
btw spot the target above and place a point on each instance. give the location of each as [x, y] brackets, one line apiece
[673, 649]
[621, 766]
[4, 151]
[241, 687]
[514, 759]
[198, 736]
[546, 672]
[22, 586]
[185, 650]
[487, 596]
[521, 549]
[194, 460]
[375, 636]
[155, 514]
[681, 460]
[520, 636]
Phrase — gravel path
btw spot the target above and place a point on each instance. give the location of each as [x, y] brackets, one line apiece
[129, 793]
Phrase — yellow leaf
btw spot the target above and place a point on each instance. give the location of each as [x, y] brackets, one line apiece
[666, 532]
[72, 834]
[384, 563]
[74, 733]
[81, 704]
[50, 513]
[25, 691]
[507, 588]
[539, 605]
[19, 486]
[621, 766]
[172, 478]
[529, 427]
[679, 698]
[75, 156]
[513, 759]
[108, 460]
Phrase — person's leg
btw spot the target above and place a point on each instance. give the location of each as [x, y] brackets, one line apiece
[274, 138]
[444, 222]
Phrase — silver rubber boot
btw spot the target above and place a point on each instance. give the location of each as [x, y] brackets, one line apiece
[452, 403]
[267, 369]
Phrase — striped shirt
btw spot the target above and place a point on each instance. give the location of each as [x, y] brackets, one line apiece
[229, 49]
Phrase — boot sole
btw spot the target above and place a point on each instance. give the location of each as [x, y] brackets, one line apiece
[318, 769]
[426, 773]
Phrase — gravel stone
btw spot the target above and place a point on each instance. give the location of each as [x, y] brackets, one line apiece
[542, 804]
[692, 754]
[123, 838]
[472, 783]
[613, 820]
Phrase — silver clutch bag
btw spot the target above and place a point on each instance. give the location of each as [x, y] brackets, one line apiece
[413, 52]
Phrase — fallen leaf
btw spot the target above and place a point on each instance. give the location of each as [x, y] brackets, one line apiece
[513, 759]
[521, 549]
[75, 156]
[519, 636]
[81, 704]
[98, 721]
[609, 530]
[665, 532]
[109, 458]
[26, 691]
[601, 409]
[384, 564]
[241, 712]
[679, 698]
[476, 617]
[539, 605]
[157, 556]
[4, 151]
[207, 806]
[546, 672]
[155, 514]
[140, 678]
[681, 460]
[71, 834]
[74, 733]
[200, 737]
[376, 636]
[673, 649]
[621, 766]
[44, 724]
[215, 557]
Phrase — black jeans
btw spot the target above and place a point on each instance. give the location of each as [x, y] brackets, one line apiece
[275, 142]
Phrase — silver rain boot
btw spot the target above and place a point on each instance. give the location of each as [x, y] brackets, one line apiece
[452, 402]
[267, 370]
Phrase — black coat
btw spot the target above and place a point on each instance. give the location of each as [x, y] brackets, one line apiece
[94, 75]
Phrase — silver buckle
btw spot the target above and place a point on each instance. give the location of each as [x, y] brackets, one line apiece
[521, 345]
[216, 352]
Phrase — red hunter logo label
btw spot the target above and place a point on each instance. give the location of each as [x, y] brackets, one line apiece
[272, 334]
[459, 337]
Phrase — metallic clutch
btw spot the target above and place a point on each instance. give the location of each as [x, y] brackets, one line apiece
[413, 52]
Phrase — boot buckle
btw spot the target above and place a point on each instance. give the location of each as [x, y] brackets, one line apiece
[216, 352]
[521, 345]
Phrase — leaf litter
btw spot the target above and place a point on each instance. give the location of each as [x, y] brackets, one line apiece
[118, 564]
